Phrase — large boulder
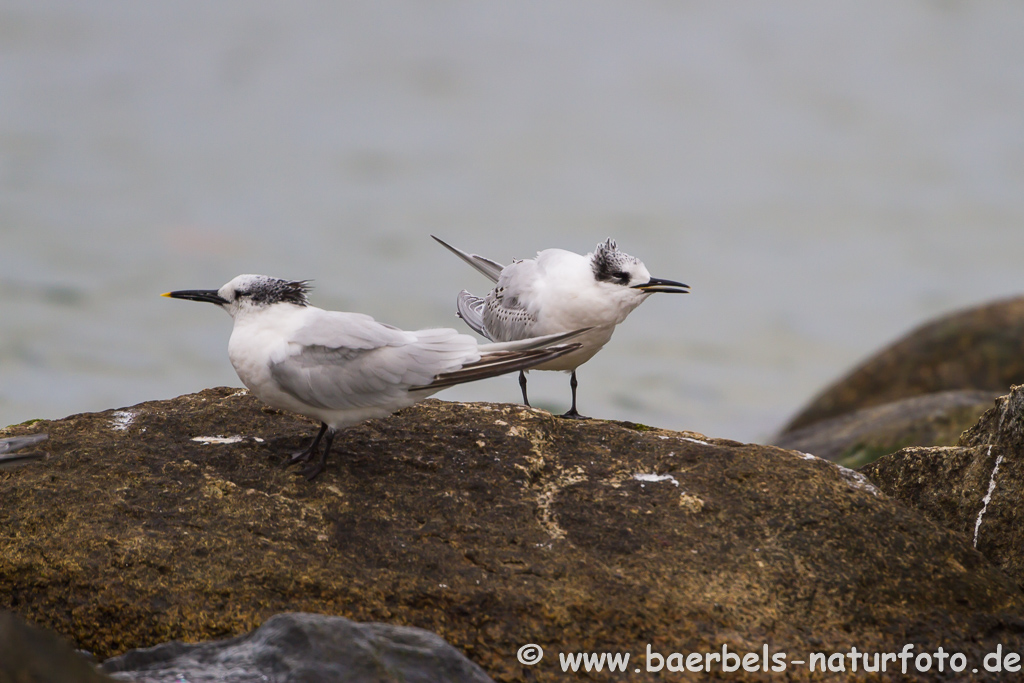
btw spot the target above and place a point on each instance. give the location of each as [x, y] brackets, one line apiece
[978, 348]
[857, 438]
[494, 526]
[974, 489]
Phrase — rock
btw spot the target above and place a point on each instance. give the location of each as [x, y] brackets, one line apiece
[860, 437]
[978, 348]
[494, 526]
[308, 648]
[32, 655]
[973, 489]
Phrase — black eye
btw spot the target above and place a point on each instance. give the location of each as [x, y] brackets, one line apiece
[238, 293]
[621, 276]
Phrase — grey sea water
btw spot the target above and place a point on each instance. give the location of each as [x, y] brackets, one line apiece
[824, 175]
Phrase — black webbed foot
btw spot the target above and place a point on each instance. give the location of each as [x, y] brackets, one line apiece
[313, 471]
[305, 454]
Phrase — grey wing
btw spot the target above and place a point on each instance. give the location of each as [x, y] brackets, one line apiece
[14, 443]
[342, 377]
[490, 269]
[8, 457]
[505, 317]
[471, 309]
[342, 330]
[329, 378]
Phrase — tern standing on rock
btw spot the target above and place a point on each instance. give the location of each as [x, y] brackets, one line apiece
[343, 368]
[556, 292]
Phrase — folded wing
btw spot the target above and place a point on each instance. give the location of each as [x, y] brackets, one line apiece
[346, 360]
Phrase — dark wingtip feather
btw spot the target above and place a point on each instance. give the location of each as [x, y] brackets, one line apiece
[498, 363]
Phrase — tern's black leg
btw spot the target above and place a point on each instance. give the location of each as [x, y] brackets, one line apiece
[314, 470]
[522, 385]
[573, 414]
[307, 453]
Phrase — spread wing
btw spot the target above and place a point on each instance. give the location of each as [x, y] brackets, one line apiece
[507, 320]
[501, 316]
[348, 360]
[471, 309]
[488, 268]
[505, 314]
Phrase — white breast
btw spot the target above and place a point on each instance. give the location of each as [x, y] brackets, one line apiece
[257, 341]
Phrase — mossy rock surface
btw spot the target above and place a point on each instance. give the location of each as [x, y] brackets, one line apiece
[491, 525]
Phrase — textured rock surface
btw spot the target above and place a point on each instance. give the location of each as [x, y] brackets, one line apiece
[32, 655]
[978, 348]
[862, 436]
[974, 489]
[305, 648]
[491, 525]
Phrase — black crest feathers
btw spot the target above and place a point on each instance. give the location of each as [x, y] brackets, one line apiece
[273, 290]
[608, 263]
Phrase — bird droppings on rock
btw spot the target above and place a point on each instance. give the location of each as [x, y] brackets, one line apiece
[656, 477]
[121, 420]
[221, 439]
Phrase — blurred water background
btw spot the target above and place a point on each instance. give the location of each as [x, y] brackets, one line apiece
[824, 175]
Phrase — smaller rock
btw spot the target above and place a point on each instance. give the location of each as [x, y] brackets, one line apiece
[860, 437]
[32, 655]
[973, 489]
[304, 647]
[977, 348]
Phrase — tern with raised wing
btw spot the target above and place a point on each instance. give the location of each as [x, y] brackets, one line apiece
[556, 292]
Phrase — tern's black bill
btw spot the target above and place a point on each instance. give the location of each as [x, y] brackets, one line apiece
[656, 284]
[210, 296]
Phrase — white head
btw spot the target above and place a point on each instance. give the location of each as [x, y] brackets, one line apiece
[626, 278]
[250, 292]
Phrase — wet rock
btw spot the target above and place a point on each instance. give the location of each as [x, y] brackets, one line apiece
[32, 655]
[978, 348]
[307, 648]
[860, 437]
[493, 526]
[974, 489]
